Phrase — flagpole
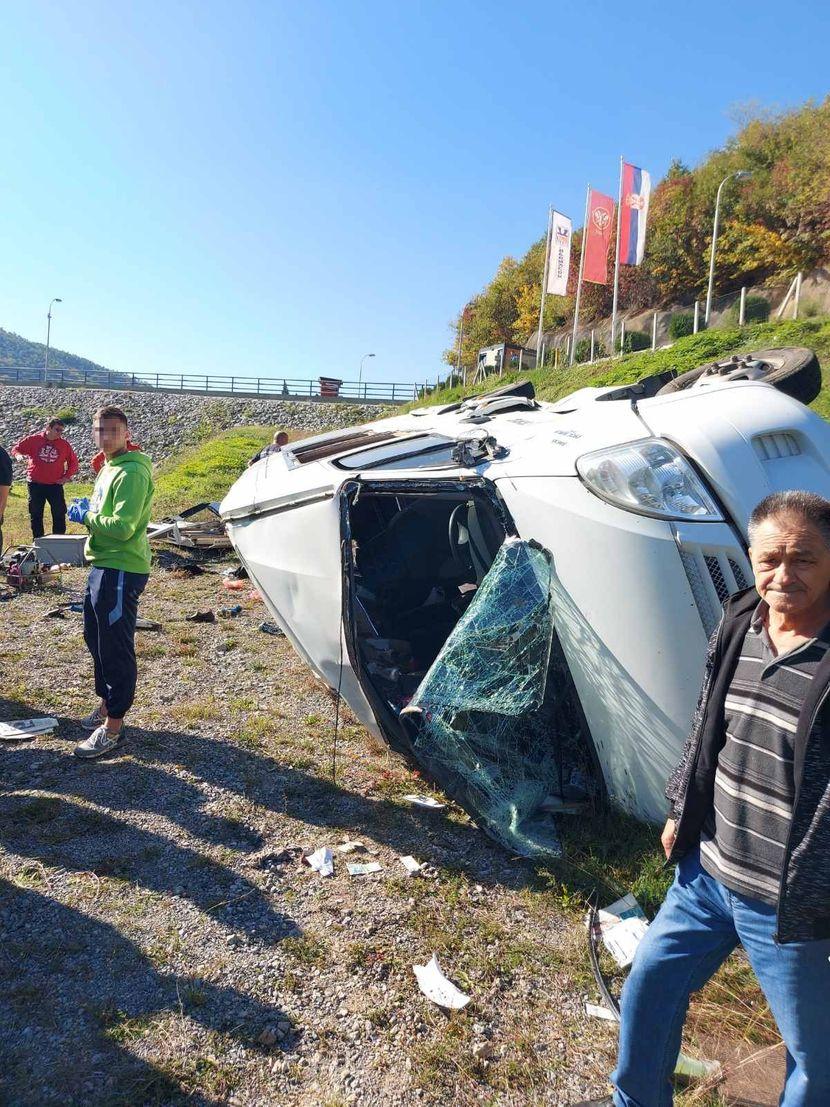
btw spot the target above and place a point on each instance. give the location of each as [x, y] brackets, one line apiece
[544, 287]
[617, 261]
[579, 278]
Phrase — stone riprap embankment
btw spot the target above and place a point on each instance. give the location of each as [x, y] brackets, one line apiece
[164, 422]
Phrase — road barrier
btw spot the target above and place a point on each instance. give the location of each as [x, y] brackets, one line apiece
[322, 390]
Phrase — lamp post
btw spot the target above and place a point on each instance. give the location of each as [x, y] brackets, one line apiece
[739, 175]
[360, 374]
[54, 300]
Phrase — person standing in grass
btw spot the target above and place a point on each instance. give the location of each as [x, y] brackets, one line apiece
[5, 487]
[119, 552]
[51, 463]
[749, 826]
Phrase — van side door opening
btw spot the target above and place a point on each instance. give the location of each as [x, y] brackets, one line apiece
[449, 623]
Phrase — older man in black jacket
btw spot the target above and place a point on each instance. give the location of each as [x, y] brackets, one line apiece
[750, 821]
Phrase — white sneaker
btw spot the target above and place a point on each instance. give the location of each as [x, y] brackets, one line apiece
[93, 720]
[99, 743]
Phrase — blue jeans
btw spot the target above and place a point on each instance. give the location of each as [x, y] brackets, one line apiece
[697, 927]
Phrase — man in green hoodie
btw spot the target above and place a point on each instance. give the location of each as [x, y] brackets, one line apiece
[119, 552]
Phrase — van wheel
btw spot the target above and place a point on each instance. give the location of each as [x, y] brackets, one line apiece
[793, 370]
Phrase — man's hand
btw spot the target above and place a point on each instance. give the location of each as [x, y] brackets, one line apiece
[668, 836]
[78, 510]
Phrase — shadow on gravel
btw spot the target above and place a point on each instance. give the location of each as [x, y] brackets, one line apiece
[324, 804]
[76, 993]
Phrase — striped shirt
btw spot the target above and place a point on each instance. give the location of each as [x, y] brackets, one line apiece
[745, 835]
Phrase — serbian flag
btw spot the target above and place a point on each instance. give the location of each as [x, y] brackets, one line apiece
[598, 237]
[636, 189]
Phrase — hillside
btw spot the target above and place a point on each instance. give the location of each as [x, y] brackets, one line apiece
[774, 223]
[17, 351]
[686, 353]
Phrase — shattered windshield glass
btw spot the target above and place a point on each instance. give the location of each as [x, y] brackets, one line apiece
[484, 730]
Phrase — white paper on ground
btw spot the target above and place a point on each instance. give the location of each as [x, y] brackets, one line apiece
[22, 728]
[357, 868]
[410, 864]
[625, 908]
[322, 861]
[436, 987]
[424, 801]
[622, 940]
[350, 847]
[598, 1012]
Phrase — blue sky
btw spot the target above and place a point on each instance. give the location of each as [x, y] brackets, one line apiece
[279, 188]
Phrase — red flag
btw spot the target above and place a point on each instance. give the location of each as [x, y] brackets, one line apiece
[598, 231]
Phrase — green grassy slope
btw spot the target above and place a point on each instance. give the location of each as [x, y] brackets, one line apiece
[685, 354]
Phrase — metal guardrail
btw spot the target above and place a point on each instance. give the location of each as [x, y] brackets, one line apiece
[285, 388]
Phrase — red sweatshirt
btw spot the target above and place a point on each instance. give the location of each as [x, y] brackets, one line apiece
[49, 462]
[97, 462]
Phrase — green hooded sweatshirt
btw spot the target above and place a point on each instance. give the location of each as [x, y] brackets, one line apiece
[119, 512]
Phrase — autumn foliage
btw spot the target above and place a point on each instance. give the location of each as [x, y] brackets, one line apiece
[773, 224]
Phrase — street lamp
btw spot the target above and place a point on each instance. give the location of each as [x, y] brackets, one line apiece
[739, 175]
[55, 300]
[360, 374]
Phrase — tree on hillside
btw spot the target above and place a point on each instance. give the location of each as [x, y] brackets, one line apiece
[773, 224]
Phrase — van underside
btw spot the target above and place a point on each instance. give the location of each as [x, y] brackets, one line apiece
[450, 628]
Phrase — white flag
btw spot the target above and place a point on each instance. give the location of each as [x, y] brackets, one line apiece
[560, 255]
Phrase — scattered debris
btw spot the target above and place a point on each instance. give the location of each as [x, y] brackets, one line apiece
[622, 926]
[77, 606]
[350, 847]
[147, 624]
[424, 801]
[234, 585]
[287, 854]
[54, 613]
[201, 617]
[272, 628]
[322, 861]
[19, 729]
[596, 1011]
[412, 866]
[230, 612]
[176, 563]
[437, 987]
[24, 569]
[358, 868]
[693, 1069]
[64, 549]
[207, 534]
[238, 572]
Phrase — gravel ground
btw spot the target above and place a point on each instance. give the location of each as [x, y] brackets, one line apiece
[163, 944]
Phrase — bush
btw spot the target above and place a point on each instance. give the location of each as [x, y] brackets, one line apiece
[681, 325]
[582, 351]
[635, 340]
[756, 311]
[66, 415]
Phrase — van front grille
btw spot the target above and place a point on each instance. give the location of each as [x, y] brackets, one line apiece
[714, 574]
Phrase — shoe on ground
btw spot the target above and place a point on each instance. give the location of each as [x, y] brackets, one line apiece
[99, 743]
[93, 720]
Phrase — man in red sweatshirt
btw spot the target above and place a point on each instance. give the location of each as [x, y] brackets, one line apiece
[51, 464]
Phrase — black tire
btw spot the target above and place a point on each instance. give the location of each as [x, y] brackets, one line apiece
[794, 370]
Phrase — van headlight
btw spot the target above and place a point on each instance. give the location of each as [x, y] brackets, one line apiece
[650, 477]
